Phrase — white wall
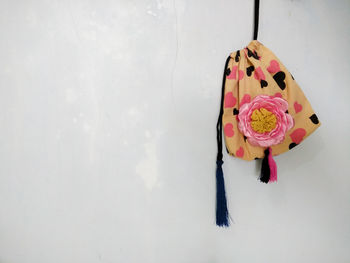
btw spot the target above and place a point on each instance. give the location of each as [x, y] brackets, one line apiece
[107, 133]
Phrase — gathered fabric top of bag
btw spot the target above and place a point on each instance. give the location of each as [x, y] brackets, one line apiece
[263, 105]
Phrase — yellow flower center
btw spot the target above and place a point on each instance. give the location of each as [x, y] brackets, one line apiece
[263, 120]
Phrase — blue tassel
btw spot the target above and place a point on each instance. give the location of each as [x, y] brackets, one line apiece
[222, 216]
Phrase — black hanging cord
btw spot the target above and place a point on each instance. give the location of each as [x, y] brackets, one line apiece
[256, 19]
[219, 123]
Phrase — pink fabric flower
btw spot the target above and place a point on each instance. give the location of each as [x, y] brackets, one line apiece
[282, 121]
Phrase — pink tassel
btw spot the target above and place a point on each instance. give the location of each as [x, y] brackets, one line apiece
[273, 167]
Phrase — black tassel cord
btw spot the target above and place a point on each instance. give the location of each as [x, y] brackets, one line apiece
[222, 215]
[265, 168]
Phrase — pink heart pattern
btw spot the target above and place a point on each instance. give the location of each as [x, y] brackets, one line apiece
[240, 152]
[274, 66]
[297, 107]
[233, 74]
[259, 74]
[246, 99]
[297, 135]
[279, 95]
[230, 100]
[228, 130]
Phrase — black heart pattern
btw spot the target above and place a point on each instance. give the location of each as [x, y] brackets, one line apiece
[279, 78]
[250, 70]
[292, 145]
[314, 119]
[252, 54]
[235, 111]
[263, 83]
[238, 55]
[256, 55]
[228, 71]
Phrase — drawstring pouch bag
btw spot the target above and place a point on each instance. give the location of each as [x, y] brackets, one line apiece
[263, 113]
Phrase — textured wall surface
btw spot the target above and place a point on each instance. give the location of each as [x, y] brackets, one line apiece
[107, 133]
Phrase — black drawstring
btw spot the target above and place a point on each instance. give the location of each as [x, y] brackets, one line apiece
[219, 123]
[256, 19]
